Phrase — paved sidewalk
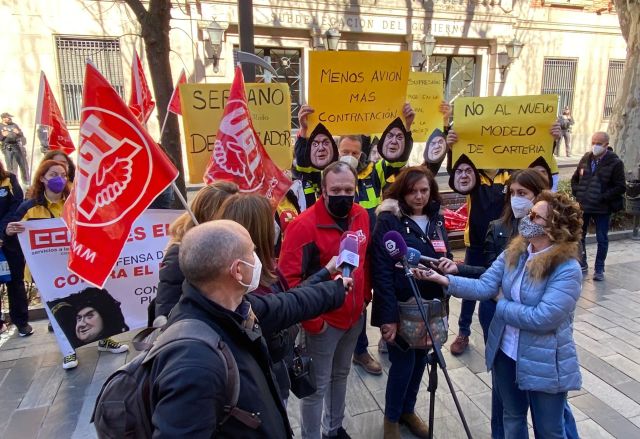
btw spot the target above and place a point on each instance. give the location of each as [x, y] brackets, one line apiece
[38, 399]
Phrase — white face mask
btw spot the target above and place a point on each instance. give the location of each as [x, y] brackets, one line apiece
[350, 160]
[598, 149]
[520, 206]
[255, 277]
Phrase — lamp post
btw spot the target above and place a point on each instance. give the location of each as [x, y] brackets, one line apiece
[427, 45]
[332, 38]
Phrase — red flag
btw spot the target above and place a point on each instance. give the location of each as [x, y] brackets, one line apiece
[120, 172]
[174, 102]
[49, 117]
[238, 154]
[141, 103]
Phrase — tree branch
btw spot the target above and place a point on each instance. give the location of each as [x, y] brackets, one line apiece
[138, 8]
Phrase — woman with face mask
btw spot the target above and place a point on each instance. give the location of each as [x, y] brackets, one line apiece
[530, 347]
[45, 199]
[522, 188]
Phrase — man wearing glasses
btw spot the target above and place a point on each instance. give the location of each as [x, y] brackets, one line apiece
[598, 184]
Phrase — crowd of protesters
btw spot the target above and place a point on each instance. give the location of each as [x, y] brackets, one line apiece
[270, 286]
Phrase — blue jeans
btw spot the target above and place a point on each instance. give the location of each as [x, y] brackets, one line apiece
[363, 342]
[472, 256]
[602, 236]
[404, 379]
[547, 409]
[485, 315]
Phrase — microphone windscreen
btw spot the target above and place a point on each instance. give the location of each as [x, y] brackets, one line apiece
[395, 245]
[348, 253]
[413, 256]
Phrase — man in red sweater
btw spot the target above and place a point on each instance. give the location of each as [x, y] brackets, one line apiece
[310, 241]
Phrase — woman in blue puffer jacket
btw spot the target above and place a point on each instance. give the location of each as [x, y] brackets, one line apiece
[530, 347]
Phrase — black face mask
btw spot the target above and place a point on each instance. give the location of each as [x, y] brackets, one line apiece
[339, 205]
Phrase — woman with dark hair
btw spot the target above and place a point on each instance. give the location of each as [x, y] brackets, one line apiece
[254, 212]
[411, 207]
[10, 198]
[204, 206]
[61, 156]
[45, 200]
[530, 347]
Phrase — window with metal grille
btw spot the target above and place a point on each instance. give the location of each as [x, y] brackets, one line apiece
[559, 77]
[73, 53]
[614, 78]
[459, 74]
[287, 64]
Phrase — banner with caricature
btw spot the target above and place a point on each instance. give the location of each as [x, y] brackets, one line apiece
[82, 311]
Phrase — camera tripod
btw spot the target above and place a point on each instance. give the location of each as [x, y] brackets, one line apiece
[435, 359]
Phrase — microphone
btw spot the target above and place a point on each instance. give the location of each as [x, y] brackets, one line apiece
[348, 257]
[414, 257]
[396, 246]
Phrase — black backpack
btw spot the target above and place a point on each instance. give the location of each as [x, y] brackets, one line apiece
[123, 407]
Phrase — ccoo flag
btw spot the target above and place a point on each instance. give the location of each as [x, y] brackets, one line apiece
[239, 156]
[174, 102]
[120, 172]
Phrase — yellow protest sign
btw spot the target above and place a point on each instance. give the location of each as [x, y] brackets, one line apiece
[424, 93]
[504, 132]
[202, 109]
[357, 92]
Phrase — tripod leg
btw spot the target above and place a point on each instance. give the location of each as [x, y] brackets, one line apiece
[432, 362]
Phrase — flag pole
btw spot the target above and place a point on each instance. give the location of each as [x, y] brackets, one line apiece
[184, 202]
[37, 121]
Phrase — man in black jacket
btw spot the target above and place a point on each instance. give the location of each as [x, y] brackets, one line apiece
[188, 391]
[13, 147]
[598, 184]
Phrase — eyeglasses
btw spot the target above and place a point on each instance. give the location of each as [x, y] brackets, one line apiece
[533, 215]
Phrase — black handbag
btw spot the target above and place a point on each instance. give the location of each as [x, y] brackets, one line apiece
[303, 380]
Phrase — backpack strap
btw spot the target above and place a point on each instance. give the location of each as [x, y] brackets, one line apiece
[193, 329]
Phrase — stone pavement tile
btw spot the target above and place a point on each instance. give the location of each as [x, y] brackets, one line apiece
[595, 320]
[588, 429]
[486, 378]
[473, 360]
[450, 427]
[24, 424]
[359, 399]
[483, 402]
[615, 399]
[605, 417]
[597, 348]
[7, 408]
[471, 411]
[630, 388]
[578, 414]
[615, 317]
[11, 354]
[590, 330]
[62, 417]
[372, 382]
[366, 425]
[636, 421]
[467, 381]
[623, 364]
[622, 275]
[600, 368]
[626, 335]
[621, 309]
[18, 379]
[43, 388]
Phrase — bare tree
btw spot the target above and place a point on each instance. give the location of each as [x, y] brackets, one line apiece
[155, 25]
[624, 126]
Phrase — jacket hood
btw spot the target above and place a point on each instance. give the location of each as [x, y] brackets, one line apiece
[540, 161]
[436, 133]
[321, 129]
[542, 265]
[392, 206]
[397, 123]
[462, 159]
